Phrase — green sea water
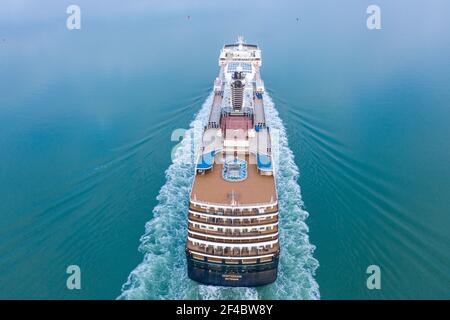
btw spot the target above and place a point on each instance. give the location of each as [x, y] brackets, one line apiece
[86, 134]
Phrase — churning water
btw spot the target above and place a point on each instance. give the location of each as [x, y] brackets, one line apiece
[162, 274]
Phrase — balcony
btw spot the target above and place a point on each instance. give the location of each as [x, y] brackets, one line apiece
[233, 233]
[234, 212]
[235, 240]
[223, 221]
[232, 252]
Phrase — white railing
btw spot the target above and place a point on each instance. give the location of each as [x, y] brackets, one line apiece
[232, 206]
[218, 226]
[266, 215]
[234, 245]
[232, 258]
[208, 235]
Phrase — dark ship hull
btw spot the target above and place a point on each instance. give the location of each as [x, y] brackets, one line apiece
[239, 275]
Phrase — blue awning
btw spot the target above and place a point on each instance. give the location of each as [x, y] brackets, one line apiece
[264, 162]
[206, 161]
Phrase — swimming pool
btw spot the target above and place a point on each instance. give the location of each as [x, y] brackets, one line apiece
[235, 170]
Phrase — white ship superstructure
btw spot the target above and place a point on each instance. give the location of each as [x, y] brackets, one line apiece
[233, 210]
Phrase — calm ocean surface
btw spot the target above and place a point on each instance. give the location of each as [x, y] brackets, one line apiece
[86, 119]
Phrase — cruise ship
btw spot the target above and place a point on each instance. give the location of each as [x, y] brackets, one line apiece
[232, 235]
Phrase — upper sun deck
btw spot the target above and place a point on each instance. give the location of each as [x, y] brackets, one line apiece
[255, 190]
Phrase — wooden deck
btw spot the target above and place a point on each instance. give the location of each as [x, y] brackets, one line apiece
[212, 188]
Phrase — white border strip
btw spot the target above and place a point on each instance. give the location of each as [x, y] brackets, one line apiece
[217, 226]
[263, 215]
[233, 238]
[230, 258]
[233, 245]
[218, 206]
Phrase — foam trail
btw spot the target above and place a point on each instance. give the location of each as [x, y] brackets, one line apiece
[162, 273]
[297, 265]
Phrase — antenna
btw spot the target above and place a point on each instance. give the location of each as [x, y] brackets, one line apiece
[240, 40]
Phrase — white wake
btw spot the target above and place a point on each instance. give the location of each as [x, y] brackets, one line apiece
[162, 273]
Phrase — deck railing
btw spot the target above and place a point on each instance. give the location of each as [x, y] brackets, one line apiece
[231, 252]
[235, 240]
[232, 222]
[233, 211]
[234, 233]
[233, 205]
